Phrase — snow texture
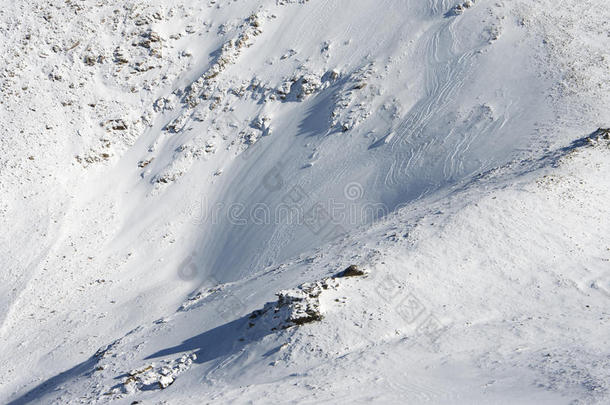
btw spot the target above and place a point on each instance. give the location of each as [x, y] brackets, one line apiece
[185, 187]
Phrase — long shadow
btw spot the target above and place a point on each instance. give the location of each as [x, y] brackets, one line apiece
[217, 342]
[451, 13]
[220, 341]
[598, 134]
[36, 394]
[318, 116]
[233, 336]
[317, 120]
[551, 158]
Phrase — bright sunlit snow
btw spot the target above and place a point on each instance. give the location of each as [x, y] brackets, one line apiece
[305, 201]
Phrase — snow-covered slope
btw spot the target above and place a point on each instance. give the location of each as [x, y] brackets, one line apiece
[167, 168]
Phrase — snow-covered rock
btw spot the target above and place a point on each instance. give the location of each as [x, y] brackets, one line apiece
[167, 168]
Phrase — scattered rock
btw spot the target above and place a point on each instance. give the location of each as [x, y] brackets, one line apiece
[459, 9]
[154, 377]
[115, 125]
[89, 60]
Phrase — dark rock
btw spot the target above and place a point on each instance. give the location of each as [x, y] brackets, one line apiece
[312, 316]
[603, 133]
[351, 271]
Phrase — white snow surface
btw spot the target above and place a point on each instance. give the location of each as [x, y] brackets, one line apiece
[167, 168]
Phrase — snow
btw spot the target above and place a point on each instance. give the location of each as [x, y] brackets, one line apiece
[167, 169]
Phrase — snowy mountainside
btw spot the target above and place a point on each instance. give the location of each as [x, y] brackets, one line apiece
[434, 318]
[166, 169]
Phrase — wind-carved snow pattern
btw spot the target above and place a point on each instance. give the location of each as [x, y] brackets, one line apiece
[148, 147]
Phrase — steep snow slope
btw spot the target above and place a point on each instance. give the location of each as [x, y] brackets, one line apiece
[464, 304]
[177, 148]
